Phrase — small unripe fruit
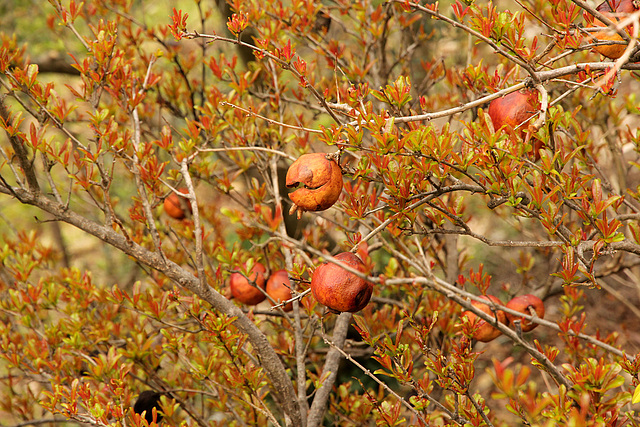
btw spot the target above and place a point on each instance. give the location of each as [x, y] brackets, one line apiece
[524, 304]
[244, 291]
[339, 289]
[485, 332]
[321, 180]
[279, 288]
[176, 206]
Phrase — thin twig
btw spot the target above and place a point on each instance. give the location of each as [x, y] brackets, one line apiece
[382, 383]
[300, 354]
[136, 168]
[197, 228]
[268, 120]
[251, 148]
[283, 64]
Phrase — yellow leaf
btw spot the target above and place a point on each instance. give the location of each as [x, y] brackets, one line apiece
[636, 395]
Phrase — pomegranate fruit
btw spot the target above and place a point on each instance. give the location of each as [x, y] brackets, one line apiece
[244, 291]
[176, 206]
[279, 288]
[485, 332]
[615, 10]
[339, 289]
[524, 304]
[321, 180]
[513, 110]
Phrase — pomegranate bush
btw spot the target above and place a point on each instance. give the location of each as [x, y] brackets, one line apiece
[126, 105]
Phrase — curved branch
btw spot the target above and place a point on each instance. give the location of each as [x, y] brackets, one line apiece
[474, 33]
[603, 18]
[454, 294]
[282, 386]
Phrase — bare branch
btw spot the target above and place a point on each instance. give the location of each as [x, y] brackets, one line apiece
[368, 373]
[20, 150]
[279, 61]
[270, 121]
[269, 359]
[329, 370]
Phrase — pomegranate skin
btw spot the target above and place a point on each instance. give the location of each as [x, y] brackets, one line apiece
[619, 6]
[615, 10]
[514, 108]
[279, 288]
[176, 206]
[243, 291]
[522, 303]
[321, 180]
[485, 331]
[338, 289]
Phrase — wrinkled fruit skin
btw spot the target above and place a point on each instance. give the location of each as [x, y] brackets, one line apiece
[615, 11]
[279, 288]
[485, 332]
[339, 289]
[513, 109]
[242, 290]
[522, 303]
[321, 181]
[176, 206]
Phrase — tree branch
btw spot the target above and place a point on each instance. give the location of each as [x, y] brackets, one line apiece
[385, 386]
[331, 364]
[20, 150]
[270, 361]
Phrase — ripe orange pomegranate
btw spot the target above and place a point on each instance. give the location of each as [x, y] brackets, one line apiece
[513, 110]
[244, 291]
[615, 10]
[485, 331]
[524, 304]
[321, 180]
[339, 289]
[279, 288]
[176, 206]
